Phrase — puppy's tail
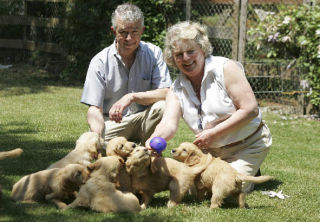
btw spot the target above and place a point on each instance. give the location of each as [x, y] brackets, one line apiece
[199, 168]
[12, 153]
[252, 179]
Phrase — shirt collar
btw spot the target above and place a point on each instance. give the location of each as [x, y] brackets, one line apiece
[114, 50]
[184, 82]
[208, 68]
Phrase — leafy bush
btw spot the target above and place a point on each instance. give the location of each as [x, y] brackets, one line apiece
[293, 33]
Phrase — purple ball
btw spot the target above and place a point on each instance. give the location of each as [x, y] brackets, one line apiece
[158, 144]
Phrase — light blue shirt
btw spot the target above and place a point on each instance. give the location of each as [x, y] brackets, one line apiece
[108, 79]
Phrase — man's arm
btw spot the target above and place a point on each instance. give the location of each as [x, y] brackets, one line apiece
[95, 119]
[143, 98]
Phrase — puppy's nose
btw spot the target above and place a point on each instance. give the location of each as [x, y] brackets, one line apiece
[173, 151]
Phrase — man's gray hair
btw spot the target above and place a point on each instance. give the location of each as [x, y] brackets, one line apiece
[127, 12]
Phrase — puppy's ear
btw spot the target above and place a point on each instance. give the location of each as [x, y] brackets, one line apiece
[110, 152]
[129, 166]
[90, 167]
[192, 159]
[113, 177]
[99, 155]
[77, 174]
[153, 165]
[102, 143]
[94, 166]
[93, 148]
[121, 160]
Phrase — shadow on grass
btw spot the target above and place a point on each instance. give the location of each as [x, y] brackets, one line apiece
[37, 155]
[25, 79]
[48, 212]
[269, 185]
[126, 217]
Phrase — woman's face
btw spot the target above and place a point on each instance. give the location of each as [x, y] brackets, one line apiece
[189, 58]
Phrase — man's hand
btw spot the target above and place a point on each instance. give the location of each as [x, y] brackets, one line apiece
[115, 113]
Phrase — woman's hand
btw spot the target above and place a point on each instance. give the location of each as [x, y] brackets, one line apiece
[204, 139]
[153, 152]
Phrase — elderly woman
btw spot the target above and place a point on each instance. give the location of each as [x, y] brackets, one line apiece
[215, 99]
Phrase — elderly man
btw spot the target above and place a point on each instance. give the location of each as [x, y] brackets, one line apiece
[127, 82]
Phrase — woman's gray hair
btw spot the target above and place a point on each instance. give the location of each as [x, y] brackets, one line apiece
[128, 12]
[186, 31]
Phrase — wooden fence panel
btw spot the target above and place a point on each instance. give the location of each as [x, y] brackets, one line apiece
[31, 45]
[32, 21]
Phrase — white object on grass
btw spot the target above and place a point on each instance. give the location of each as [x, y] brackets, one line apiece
[275, 194]
[5, 66]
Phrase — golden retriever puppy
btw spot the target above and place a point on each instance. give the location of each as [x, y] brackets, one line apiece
[119, 146]
[125, 180]
[155, 174]
[220, 178]
[86, 150]
[12, 153]
[100, 193]
[53, 185]
[9, 154]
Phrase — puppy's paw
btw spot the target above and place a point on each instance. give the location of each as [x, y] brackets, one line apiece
[61, 205]
[64, 208]
[171, 204]
[143, 206]
[214, 205]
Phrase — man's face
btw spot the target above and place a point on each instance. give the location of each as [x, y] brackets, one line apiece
[128, 36]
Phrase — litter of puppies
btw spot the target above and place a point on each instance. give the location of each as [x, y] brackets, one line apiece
[126, 179]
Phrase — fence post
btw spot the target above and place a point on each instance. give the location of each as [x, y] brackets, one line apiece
[235, 38]
[25, 16]
[188, 9]
[242, 30]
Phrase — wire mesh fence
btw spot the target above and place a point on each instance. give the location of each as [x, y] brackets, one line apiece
[274, 82]
[220, 18]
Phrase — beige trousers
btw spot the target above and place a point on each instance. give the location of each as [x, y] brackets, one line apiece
[137, 127]
[247, 156]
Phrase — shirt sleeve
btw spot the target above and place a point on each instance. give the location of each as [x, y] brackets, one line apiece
[94, 86]
[161, 76]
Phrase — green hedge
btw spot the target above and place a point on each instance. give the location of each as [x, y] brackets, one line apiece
[292, 33]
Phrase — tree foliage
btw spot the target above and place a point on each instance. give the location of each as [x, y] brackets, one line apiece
[87, 29]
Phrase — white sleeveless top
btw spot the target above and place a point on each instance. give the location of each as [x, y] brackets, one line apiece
[215, 103]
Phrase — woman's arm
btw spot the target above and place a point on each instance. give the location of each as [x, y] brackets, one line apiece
[170, 120]
[241, 93]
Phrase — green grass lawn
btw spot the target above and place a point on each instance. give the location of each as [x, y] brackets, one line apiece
[45, 118]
